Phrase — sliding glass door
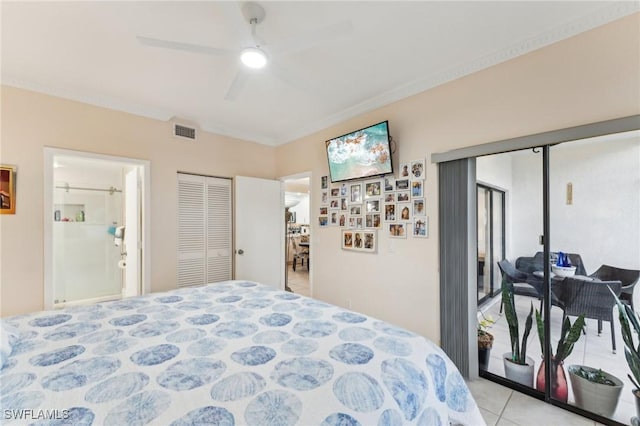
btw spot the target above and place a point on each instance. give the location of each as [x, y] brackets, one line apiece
[491, 211]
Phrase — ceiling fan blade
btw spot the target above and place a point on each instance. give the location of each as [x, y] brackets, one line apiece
[238, 83]
[313, 38]
[290, 78]
[186, 47]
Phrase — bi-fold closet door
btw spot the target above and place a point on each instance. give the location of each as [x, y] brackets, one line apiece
[204, 230]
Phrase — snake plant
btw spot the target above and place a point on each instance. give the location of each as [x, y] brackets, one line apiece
[518, 352]
[568, 336]
[628, 319]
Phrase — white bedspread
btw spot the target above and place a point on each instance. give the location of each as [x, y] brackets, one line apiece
[228, 353]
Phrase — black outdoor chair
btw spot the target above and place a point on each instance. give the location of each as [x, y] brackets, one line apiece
[589, 297]
[524, 284]
[628, 277]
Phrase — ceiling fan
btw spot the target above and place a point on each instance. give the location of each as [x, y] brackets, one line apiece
[258, 54]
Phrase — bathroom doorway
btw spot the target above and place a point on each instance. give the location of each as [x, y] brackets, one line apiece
[95, 227]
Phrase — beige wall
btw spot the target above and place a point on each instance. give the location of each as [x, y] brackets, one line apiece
[590, 77]
[31, 121]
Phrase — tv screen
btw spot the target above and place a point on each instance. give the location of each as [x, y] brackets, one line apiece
[360, 154]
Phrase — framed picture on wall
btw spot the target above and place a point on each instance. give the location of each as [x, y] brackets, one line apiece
[389, 184]
[397, 230]
[421, 227]
[404, 212]
[355, 194]
[389, 212]
[403, 172]
[333, 218]
[418, 207]
[7, 189]
[418, 169]
[343, 204]
[324, 211]
[355, 210]
[370, 241]
[373, 206]
[372, 220]
[372, 189]
[324, 182]
[416, 188]
[347, 240]
[323, 221]
[335, 192]
[402, 184]
[403, 196]
[324, 198]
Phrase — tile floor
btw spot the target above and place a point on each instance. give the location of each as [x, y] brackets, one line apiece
[501, 406]
[591, 350]
[299, 280]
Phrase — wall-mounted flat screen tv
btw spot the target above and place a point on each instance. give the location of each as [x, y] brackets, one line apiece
[360, 154]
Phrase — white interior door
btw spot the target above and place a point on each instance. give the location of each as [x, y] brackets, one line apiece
[132, 235]
[259, 231]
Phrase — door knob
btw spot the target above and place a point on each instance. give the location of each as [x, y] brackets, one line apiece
[240, 251]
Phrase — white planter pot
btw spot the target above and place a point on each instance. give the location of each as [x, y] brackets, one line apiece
[595, 397]
[522, 374]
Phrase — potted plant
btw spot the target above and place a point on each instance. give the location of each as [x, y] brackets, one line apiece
[595, 390]
[485, 341]
[629, 318]
[517, 365]
[568, 337]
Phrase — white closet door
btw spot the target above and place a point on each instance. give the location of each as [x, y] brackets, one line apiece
[204, 230]
[218, 230]
[191, 230]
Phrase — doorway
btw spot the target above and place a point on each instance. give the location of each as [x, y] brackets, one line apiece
[297, 200]
[95, 227]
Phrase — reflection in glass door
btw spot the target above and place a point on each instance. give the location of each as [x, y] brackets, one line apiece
[491, 247]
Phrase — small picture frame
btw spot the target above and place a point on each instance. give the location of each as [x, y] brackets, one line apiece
[397, 230]
[7, 189]
[324, 182]
[333, 219]
[342, 220]
[417, 188]
[335, 192]
[372, 206]
[402, 184]
[389, 184]
[323, 221]
[419, 207]
[355, 194]
[347, 240]
[403, 212]
[372, 189]
[390, 212]
[390, 197]
[355, 210]
[352, 221]
[403, 196]
[343, 190]
[343, 204]
[421, 227]
[403, 172]
[418, 169]
[372, 220]
[324, 198]
[355, 222]
[324, 211]
[335, 203]
[370, 241]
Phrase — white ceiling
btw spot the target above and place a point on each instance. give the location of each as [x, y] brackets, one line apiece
[88, 51]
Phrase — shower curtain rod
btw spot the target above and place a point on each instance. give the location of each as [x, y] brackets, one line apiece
[110, 190]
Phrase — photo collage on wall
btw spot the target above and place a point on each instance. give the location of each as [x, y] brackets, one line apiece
[394, 205]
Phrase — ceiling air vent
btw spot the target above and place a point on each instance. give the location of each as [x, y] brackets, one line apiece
[181, 131]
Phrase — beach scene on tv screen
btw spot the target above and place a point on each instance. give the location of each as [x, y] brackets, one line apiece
[360, 154]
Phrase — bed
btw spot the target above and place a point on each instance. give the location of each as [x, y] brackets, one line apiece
[229, 353]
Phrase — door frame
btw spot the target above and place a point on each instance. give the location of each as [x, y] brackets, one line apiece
[312, 227]
[49, 155]
[491, 261]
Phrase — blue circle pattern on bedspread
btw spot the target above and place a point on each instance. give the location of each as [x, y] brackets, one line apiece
[224, 354]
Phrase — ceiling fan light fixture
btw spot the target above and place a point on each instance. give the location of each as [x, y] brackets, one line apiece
[253, 57]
